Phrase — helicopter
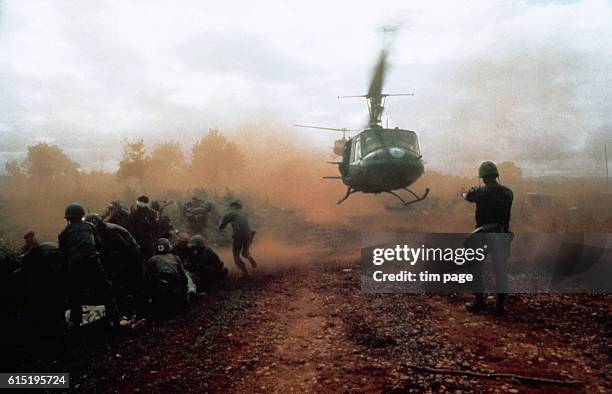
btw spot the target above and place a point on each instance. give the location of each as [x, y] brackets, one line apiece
[378, 159]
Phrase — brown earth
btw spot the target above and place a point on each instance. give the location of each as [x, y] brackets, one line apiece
[307, 327]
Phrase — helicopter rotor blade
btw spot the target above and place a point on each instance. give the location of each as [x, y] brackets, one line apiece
[397, 94]
[359, 96]
[343, 129]
[378, 78]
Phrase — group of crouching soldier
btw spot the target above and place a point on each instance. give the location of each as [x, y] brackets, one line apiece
[118, 260]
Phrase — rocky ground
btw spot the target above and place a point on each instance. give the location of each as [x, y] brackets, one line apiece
[301, 324]
[309, 329]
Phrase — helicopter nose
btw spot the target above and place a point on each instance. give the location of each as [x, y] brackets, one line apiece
[397, 153]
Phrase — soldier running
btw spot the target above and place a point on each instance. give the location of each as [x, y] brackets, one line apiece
[242, 235]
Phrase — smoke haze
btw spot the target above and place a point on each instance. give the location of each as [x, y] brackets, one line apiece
[522, 81]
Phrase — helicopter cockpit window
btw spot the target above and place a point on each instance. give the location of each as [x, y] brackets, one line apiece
[357, 149]
[406, 139]
[372, 142]
[375, 139]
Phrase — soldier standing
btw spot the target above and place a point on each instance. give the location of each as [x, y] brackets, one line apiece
[142, 224]
[242, 235]
[80, 246]
[493, 207]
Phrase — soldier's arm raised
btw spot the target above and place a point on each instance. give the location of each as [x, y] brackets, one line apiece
[474, 194]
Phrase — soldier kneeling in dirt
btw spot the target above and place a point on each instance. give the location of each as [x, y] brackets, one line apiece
[242, 235]
[181, 247]
[165, 281]
[205, 264]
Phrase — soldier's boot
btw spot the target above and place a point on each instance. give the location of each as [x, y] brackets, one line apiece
[252, 261]
[499, 308]
[240, 264]
[476, 305]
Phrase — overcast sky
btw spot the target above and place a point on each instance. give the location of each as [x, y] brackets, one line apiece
[528, 81]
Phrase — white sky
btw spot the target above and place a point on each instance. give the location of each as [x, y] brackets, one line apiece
[525, 81]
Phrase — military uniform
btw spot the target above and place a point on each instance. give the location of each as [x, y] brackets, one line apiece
[44, 290]
[181, 248]
[165, 283]
[242, 235]
[123, 263]
[196, 212]
[80, 247]
[207, 268]
[493, 210]
[142, 224]
[117, 214]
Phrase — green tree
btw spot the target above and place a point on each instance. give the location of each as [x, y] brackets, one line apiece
[135, 161]
[214, 156]
[509, 171]
[166, 160]
[48, 161]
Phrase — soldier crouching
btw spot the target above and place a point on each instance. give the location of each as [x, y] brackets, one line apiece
[165, 281]
[80, 247]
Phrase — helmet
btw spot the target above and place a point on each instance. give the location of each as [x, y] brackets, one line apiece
[236, 203]
[487, 169]
[142, 201]
[74, 211]
[162, 246]
[94, 219]
[183, 237]
[197, 241]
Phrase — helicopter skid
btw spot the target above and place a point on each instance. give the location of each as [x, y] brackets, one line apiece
[404, 202]
[349, 191]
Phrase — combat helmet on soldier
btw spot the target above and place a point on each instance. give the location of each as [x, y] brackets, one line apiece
[94, 219]
[74, 211]
[197, 241]
[205, 264]
[493, 210]
[162, 246]
[488, 169]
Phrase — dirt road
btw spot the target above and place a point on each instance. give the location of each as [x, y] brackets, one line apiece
[301, 324]
[310, 329]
